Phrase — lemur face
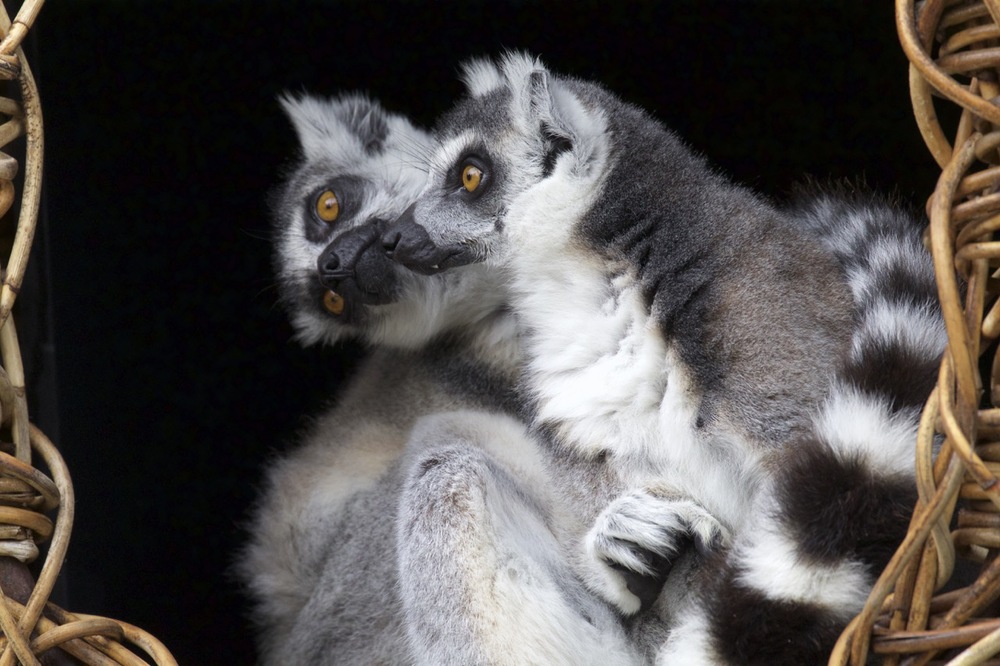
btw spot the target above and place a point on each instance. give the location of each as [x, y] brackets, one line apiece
[467, 225]
[459, 217]
[350, 272]
[361, 168]
[514, 164]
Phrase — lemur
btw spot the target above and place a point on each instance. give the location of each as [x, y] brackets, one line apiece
[701, 365]
[328, 581]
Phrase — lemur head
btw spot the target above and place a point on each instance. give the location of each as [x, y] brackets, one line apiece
[360, 167]
[519, 134]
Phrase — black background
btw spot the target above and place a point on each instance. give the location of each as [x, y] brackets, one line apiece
[175, 372]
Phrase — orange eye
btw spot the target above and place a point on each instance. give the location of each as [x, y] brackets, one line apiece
[333, 302]
[471, 177]
[327, 206]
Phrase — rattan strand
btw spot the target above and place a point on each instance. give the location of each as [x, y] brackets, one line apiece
[954, 50]
[32, 626]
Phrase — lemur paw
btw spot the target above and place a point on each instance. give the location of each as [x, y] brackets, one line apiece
[636, 540]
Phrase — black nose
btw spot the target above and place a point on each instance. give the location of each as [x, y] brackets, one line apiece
[390, 240]
[340, 259]
[328, 263]
[334, 265]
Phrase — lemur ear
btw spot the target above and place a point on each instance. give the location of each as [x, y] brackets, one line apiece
[313, 120]
[480, 76]
[540, 103]
[565, 123]
[556, 135]
[324, 126]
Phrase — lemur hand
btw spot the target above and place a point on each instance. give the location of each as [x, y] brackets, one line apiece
[636, 540]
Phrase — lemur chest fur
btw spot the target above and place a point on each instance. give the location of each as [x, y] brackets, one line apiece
[601, 369]
[605, 379]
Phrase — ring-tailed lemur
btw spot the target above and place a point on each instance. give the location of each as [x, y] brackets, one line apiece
[328, 583]
[716, 356]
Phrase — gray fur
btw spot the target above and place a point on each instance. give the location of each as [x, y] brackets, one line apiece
[359, 545]
[689, 340]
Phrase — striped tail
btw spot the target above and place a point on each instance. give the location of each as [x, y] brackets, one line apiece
[840, 502]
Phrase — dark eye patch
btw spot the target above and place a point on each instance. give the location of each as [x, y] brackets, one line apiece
[351, 192]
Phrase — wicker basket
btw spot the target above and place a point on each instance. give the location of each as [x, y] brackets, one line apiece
[954, 50]
[31, 626]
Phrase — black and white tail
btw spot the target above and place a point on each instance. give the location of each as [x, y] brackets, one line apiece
[841, 502]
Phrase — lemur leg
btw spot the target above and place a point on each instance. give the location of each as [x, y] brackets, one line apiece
[483, 579]
[636, 539]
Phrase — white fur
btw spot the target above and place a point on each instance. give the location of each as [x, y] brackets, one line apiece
[913, 327]
[652, 522]
[480, 76]
[856, 425]
[770, 563]
[689, 642]
[881, 257]
[601, 370]
[597, 376]
[494, 551]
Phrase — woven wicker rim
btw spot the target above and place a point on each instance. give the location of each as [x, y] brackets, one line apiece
[27, 496]
[903, 619]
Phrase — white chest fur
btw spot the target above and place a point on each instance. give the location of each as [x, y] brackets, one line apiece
[604, 376]
[599, 367]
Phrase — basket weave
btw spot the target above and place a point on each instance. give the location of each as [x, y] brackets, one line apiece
[30, 625]
[954, 50]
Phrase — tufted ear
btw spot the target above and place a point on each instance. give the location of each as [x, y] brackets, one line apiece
[527, 81]
[339, 125]
[565, 123]
[539, 96]
[480, 76]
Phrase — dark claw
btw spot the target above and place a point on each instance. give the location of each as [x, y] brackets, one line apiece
[648, 587]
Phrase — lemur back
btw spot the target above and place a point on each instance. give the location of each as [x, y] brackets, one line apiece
[721, 366]
[330, 578]
[833, 515]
